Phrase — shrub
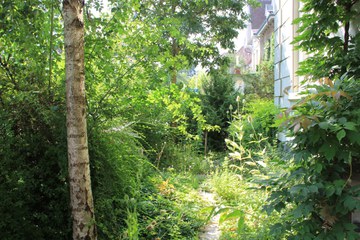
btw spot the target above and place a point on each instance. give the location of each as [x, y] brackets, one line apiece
[257, 119]
[252, 136]
[219, 95]
[226, 184]
[33, 177]
[117, 165]
[325, 146]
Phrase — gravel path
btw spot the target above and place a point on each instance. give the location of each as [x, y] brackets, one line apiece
[211, 230]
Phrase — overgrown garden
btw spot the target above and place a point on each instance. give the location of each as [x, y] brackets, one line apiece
[158, 133]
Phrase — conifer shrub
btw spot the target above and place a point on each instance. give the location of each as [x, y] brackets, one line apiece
[218, 98]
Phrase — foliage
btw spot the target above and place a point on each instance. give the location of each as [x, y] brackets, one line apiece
[132, 231]
[218, 98]
[185, 157]
[332, 51]
[252, 136]
[112, 157]
[261, 83]
[183, 107]
[326, 156]
[187, 32]
[33, 152]
[255, 119]
[130, 110]
[173, 138]
[240, 206]
[167, 209]
[226, 184]
[242, 182]
[33, 178]
[316, 189]
[134, 111]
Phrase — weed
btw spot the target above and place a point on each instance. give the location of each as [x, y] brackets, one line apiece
[168, 208]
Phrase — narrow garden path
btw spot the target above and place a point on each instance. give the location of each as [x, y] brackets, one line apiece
[211, 231]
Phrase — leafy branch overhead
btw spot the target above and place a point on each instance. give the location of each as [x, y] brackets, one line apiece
[187, 32]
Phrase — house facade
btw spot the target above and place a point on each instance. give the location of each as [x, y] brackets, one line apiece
[252, 42]
[262, 24]
[287, 84]
[287, 58]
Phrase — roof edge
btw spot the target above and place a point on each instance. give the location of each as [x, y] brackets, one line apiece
[264, 24]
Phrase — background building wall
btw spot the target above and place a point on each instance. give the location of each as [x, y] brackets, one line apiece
[286, 58]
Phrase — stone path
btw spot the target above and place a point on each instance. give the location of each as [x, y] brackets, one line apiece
[211, 230]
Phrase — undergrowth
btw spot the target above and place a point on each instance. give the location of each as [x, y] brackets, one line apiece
[241, 184]
[168, 207]
[240, 205]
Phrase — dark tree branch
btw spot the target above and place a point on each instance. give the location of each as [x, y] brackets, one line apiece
[347, 7]
[4, 64]
[346, 36]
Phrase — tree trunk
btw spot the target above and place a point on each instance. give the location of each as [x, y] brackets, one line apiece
[81, 199]
[175, 53]
[205, 142]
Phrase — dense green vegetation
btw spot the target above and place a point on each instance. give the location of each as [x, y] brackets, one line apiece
[156, 138]
[318, 189]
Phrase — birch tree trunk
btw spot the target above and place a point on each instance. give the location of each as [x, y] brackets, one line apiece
[81, 199]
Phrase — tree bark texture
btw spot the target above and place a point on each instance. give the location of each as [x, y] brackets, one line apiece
[81, 199]
[175, 53]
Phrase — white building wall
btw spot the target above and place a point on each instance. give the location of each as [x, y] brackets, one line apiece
[255, 54]
[286, 58]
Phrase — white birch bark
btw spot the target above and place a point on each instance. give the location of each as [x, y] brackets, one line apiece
[81, 199]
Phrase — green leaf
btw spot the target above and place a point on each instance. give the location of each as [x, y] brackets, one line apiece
[279, 206]
[329, 190]
[339, 186]
[350, 126]
[318, 167]
[354, 137]
[250, 163]
[340, 235]
[234, 214]
[297, 213]
[324, 125]
[222, 210]
[313, 189]
[350, 203]
[233, 144]
[342, 120]
[328, 151]
[222, 218]
[340, 134]
[261, 163]
[210, 209]
[241, 224]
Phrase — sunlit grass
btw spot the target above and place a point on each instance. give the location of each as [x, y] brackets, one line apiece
[248, 197]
